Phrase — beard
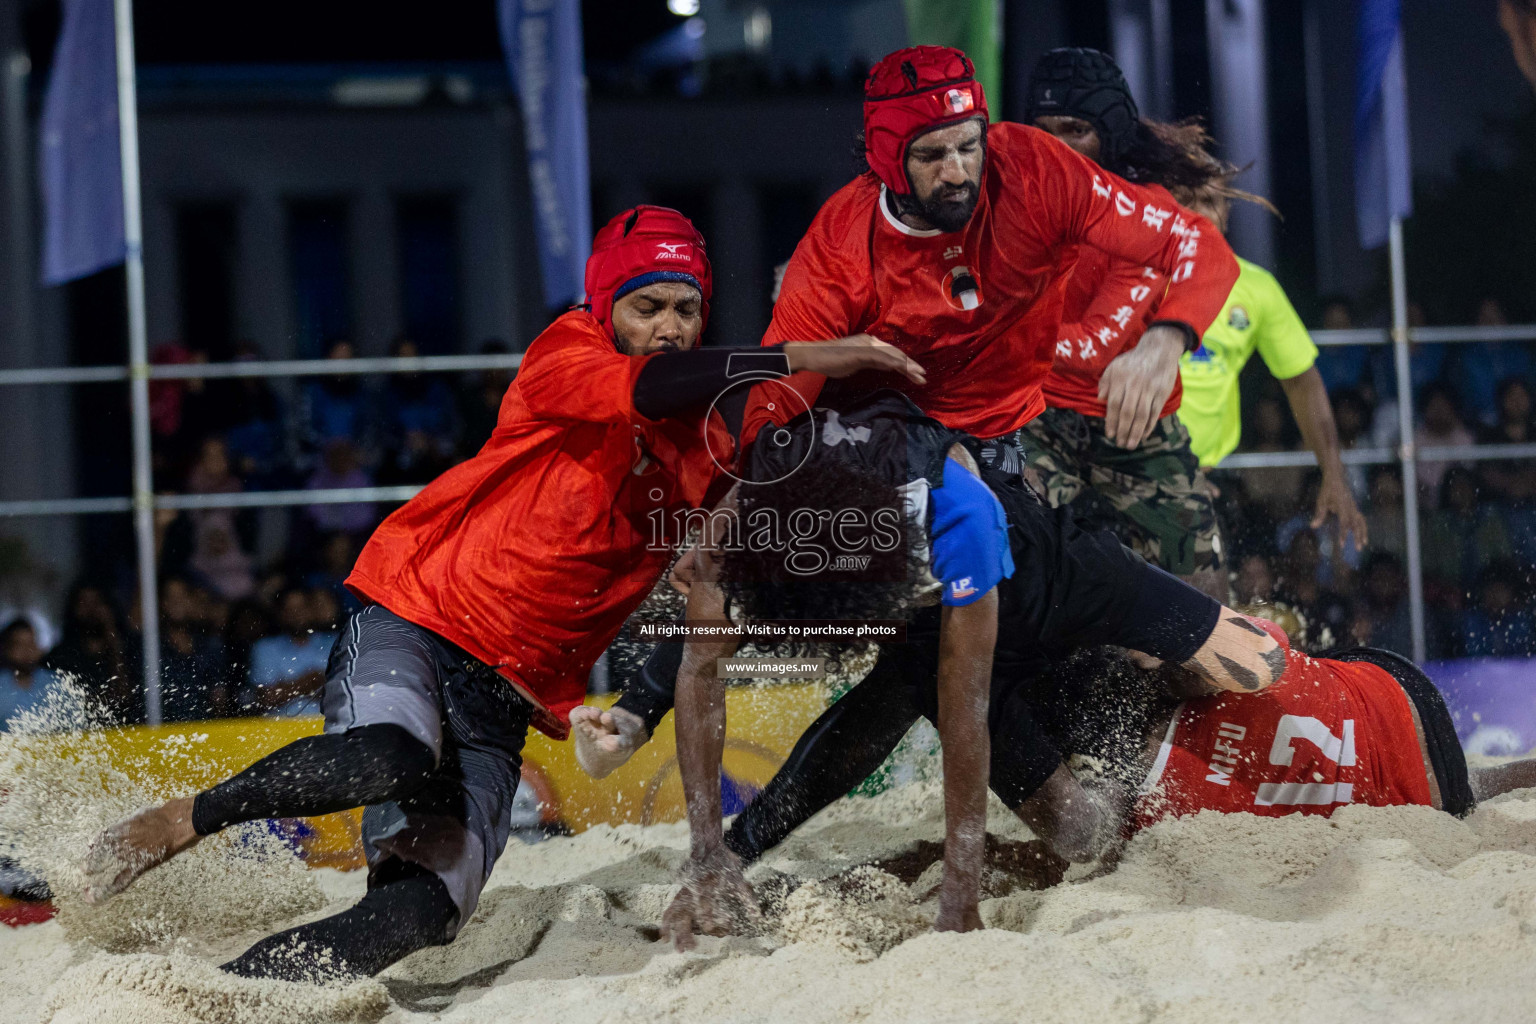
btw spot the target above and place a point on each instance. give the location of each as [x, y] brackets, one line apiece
[948, 207]
[629, 347]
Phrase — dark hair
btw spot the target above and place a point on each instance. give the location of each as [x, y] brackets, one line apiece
[1452, 477]
[1511, 382]
[759, 582]
[282, 596]
[1177, 157]
[1503, 571]
[1350, 396]
[1336, 299]
[1438, 389]
[1381, 560]
[15, 626]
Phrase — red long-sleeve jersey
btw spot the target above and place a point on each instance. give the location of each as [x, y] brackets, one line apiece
[532, 554]
[1108, 307]
[980, 308]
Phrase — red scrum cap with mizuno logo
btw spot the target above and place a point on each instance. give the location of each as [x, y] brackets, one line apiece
[912, 92]
[643, 246]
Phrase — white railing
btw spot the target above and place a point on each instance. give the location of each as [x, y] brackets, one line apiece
[466, 363]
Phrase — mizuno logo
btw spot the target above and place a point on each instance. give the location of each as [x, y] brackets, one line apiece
[674, 251]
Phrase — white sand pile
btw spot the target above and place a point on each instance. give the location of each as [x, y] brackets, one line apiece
[57, 797]
[1395, 915]
[144, 987]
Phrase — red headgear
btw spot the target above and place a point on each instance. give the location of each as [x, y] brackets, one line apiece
[911, 92]
[640, 247]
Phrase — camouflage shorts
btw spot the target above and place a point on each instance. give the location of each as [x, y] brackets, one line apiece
[1155, 497]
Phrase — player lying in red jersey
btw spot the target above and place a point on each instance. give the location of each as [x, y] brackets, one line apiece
[487, 598]
[957, 246]
[1360, 726]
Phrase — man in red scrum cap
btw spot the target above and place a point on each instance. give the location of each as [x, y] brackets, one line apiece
[487, 598]
[957, 245]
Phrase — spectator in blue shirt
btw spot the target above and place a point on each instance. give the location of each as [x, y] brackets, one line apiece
[24, 683]
[338, 408]
[420, 423]
[1481, 365]
[1498, 626]
[253, 425]
[287, 670]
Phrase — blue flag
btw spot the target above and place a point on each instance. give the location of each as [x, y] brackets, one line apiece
[79, 153]
[542, 42]
[1383, 168]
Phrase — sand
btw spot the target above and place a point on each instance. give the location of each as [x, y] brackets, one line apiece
[1400, 914]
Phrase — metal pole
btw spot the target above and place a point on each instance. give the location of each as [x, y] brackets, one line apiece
[1406, 449]
[138, 357]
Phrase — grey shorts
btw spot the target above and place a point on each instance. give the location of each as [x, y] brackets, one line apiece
[385, 670]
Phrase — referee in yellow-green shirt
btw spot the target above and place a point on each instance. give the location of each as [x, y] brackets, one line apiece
[1259, 316]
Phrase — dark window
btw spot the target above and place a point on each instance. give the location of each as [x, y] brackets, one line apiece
[205, 248]
[320, 274]
[603, 200]
[1192, 60]
[691, 201]
[427, 231]
[787, 214]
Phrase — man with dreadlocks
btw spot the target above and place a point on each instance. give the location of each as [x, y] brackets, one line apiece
[1121, 422]
[956, 247]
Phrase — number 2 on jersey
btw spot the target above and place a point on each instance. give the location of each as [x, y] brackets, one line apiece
[1339, 750]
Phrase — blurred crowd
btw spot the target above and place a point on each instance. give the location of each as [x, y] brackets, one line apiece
[240, 633]
[1477, 517]
[244, 633]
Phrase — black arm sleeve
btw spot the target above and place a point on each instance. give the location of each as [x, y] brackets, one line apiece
[651, 692]
[677, 382]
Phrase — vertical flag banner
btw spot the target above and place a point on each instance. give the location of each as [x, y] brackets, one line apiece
[974, 26]
[80, 163]
[542, 42]
[1383, 168]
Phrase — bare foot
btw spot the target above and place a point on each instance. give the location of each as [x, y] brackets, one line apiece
[119, 855]
[605, 739]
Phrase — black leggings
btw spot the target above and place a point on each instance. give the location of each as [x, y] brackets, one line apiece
[371, 764]
[406, 908]
[1163, 617]
[853, 737]
[396, 918]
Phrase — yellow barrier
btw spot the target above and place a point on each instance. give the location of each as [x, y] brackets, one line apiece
[764, 723]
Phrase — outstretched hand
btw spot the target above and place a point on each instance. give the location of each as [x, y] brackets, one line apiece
[846, 356]
[715, 900]
[1136, 384]
[1334, 499]
[605, 739]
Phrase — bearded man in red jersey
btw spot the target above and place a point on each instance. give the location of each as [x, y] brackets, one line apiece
[487, 598]
[958, 245]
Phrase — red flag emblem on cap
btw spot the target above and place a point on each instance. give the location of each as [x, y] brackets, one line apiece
[959, 101]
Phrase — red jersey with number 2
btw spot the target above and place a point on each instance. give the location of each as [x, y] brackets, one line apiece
[1329, 733]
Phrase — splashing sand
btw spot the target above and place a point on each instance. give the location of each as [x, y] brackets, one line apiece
[1400, 914]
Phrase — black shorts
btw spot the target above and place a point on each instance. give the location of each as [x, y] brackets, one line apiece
[386, 670]
[1074, 588]
[1445, 755]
